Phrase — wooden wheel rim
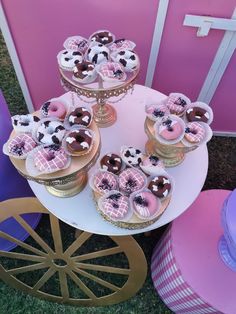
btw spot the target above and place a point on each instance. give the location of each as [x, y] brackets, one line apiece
[136, 273]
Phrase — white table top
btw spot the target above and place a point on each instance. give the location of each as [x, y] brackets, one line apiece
[80, 212]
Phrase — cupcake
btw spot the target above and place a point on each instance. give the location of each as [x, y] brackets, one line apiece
[157, 112]
[104, 37]
[151, 165]
[67, 59]
[127, 58]
[112, 72]
[103, 182]
[79, 142]
[111, 162]
[146, 206]
[84, 72]
[170, 130]
[160, 186]
[97, 53]
[131, 180]
[177, 103]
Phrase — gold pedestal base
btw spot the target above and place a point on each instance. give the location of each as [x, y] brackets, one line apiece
[171, 156]
[104, 115]
[69, 189]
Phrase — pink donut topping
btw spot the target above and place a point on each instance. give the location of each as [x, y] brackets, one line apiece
[131, 180]
[21, 145]
[112, 71]
[176, 104]
[195, 132]
[105, 181]
[54, 108]
[50, 159]
[170, 129]
[116, 206]
[157, 112]
[145, 205]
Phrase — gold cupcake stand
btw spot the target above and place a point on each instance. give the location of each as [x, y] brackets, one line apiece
[104, 113]
[70, 181]
[171, 155]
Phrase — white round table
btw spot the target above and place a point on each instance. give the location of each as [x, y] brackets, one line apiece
[80, 212]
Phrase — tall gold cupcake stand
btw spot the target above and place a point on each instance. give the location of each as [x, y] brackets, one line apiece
[100, 91]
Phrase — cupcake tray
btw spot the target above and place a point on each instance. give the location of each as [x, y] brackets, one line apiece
[134, 222]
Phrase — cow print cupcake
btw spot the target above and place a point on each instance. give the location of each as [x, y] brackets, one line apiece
[98, 53]
[127, 58]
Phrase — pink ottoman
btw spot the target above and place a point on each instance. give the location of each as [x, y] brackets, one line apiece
[187, 270]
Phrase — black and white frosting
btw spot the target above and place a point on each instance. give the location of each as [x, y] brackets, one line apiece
[24, 123]
[98, 53]
[127, 58]
[131, 156]
[67, 59]
[50, 132]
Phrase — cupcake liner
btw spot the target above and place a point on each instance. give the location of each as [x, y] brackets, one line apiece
[66, 121]
[100, 207]
[207, 137]
[70, 52]
[105, 70]
[132, 196]
[25, 118]
[91, 181]
[123, 165]
[122, 44]
[188, 102]
[163, 173]
[5, 149]
[170, 142]
[203, 106]
[74, 128]
[161, 105]
[123, 148]
[153, 170]
[101, 31]
[38, 124]
[33, 170]
[76, 43]
[66, 104]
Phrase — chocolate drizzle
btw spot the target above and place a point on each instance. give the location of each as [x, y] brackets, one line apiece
[141, 201]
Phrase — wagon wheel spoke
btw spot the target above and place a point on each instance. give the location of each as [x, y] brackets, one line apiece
[22, 244]
[33, 234]
[44, 279]
[83, 237]
[106, 269]
[56, 234]
[101, 253]
[98, 280]
[82, 286]
[26, 257]
[27, 268]
[63, 285]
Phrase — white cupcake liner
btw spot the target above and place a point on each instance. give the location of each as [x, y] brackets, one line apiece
[162, 173]
[26, 118]
[74, 128]
[66, 121]
[207, 137]
[76, 48]
[203, 106]
[5, 149]
[122, 149]
[158, 105]
[38, 124]
[111, 79]
[123, 165]
[153, 170]
[132, 196]
[59, 55]
[127, 216]
[170, 142]
[33, 170]
[91, 180]
[188, 102]
[65, 103]
[103, 30]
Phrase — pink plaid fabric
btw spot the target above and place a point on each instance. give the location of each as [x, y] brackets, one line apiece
[109, 70]
[21, 145]
[194, 132]
[170, 284]
[48, 160]
[116, 209]
[131, 180]
[174, 104]
[105, 181]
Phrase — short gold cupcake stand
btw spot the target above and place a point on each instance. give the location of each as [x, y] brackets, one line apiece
[70, 181]
[172, 155]
[86, 268]
[104, 113]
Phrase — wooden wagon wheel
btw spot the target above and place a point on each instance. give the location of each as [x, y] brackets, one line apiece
[67, 264]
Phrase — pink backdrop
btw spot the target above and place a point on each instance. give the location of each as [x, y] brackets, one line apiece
[40, 27]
